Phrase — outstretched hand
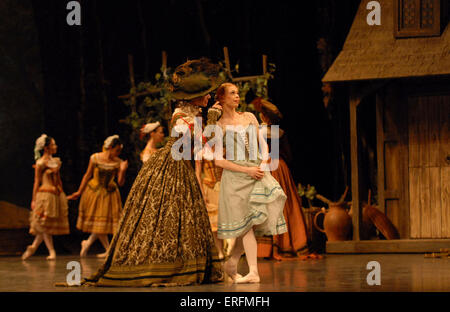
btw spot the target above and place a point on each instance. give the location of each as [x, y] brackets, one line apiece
[74, 196]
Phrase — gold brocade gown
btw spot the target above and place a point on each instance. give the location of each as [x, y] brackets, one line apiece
[164, 235]
[100, 203]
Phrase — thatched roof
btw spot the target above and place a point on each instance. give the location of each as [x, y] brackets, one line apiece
[372, 52]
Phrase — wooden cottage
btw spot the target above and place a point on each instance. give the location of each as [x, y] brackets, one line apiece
[402, 68]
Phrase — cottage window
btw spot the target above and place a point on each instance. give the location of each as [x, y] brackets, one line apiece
[419, 18]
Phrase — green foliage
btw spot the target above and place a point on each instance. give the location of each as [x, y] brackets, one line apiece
[309, 192]
[259, 87]
[153, 101]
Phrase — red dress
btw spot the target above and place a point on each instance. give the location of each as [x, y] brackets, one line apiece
[294, 241]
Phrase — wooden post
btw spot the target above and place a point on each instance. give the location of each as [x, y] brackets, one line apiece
[227, 61]
[380, 151]
[264, 63]
[164, 63]
[133, 84]
[356, 219]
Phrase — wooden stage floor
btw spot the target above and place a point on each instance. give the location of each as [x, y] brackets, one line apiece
[334, 273]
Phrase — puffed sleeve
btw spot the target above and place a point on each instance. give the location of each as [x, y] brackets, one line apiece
[182, 122]
[213, 115]
[40, 163]
[252, 119]
[58, 161]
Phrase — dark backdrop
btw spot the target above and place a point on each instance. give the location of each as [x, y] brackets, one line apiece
[68, 87]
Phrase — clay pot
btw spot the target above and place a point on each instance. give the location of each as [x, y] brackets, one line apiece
[337, 223]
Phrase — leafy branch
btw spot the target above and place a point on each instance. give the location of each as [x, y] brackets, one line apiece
[151, 101]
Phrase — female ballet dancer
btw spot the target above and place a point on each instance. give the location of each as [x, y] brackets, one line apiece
[49, 209]
[101, 204]
[251, 201]
[154, 133]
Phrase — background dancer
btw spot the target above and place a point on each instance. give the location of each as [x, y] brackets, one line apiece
[49, 209]
[100, 203]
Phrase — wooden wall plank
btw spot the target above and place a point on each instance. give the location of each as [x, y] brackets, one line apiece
[445, 164]
[413, 132]
[425, 207]
[403, 167]
[444, 145]
[423, 129]
[445, 201]
[393, 212]
[435, 202]
[396, 158]
[356, 219]
[392, 159]
[415, 202]
[380, 152]
[432, 144]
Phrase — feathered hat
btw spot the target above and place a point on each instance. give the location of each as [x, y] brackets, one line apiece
[195, 78]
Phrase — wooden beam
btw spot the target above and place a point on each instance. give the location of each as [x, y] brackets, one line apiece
[164, 60]
[356, 217]
[264, 63]
[388, 246]
[364, 89]
[131, 70]
[132, 82]
[156, 90]
[164, 63]
[247, 78]
[227, 61]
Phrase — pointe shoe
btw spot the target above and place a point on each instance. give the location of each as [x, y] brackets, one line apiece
[52, 255]
[248, 279]
[235, 277]
[277, 257]
[231, 270]
[29, 252]
[84, 247]
[102, 255]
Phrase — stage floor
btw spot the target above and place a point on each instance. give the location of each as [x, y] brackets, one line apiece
[342, 273]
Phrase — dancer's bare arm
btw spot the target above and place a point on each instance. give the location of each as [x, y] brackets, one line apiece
[87, 176]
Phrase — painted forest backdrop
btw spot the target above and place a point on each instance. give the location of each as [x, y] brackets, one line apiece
[65, 80]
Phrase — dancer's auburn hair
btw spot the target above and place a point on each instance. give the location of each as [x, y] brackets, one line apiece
[221, 90]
